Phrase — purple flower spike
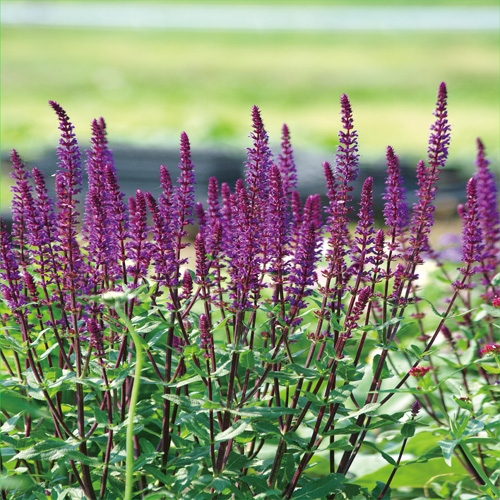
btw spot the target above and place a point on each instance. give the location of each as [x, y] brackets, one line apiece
[96, 339]
[487, 199]
[259, 162]
[20, 203]
[287, 164]
[396, 211]
[187, 285]
[162, 248]
[351, 321]
[100, 228]
[138, 247]
[439, 140]
[69, 175]
[277, 221]
[472, 239]
[347, 151]
[201, 259]
[184, 192]
[166, 199]
[12, 284]
[68, 185]
[362, 246]
[205, 336]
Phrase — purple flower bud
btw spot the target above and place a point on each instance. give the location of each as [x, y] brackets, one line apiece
[286, 164]
[396, 211]
[359, 307]
[472, 239]
[487, 200]
[187, 285]
[205, 335]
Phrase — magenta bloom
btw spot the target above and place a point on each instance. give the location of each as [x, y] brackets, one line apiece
[419, 371]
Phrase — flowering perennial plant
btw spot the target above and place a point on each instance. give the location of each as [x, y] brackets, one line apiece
[274, 363]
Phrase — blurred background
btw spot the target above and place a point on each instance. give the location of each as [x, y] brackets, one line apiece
[155, 68]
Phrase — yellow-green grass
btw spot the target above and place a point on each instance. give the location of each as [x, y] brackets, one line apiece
[149, 86]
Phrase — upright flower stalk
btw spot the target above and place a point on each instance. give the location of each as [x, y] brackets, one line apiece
[291, 326]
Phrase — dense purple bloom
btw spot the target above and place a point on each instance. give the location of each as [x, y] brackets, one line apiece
[243, 252]
[303, 266]
[201, 259]
[277, 225]
[286, 164]
[396, 211]
[352, 319]
[100, 227]
[427, 177]
[487, 200]
[96, 338]
[472, 239]
[139, 246]
[117, 211]
[20, 190]
[259, 162]
[187, 285]
[162, 251]
[68, 186]
[362, 246]
[184, 193]
[12, 284]
[347, 157]
[205, 336]
[439, 140]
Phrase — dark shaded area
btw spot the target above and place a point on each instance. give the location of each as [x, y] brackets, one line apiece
[139, 169]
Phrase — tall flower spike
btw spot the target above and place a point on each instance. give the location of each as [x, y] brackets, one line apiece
[277, 226]
[184, 194]
[302, 274]
[439, 140]
[287, 164]
[351, 321]
[68, 186]
[487, 199]
[472, 239]
[19, 190]
[162, 248]
[11, 284]
[347, 151]
[259, 162]
[205, 336]
[201, 259]
[100, 228]
[138, 247]
[396, 211]
[362, 247]
[437, 152]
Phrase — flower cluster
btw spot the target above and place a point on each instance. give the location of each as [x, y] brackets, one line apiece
[419, 371]
[273, 276]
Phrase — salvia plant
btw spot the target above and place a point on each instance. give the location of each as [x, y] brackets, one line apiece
[299, 349]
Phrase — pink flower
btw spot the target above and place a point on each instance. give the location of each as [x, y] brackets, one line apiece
[490, 348]
[496, 302]
[419, 371]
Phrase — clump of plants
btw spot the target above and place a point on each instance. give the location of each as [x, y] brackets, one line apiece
[302, 348]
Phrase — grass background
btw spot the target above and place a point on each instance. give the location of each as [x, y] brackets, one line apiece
[151, 85]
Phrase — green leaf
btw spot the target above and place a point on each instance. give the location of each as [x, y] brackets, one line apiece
[385, 373]
[319, 489]
[384, 455]
[247, 359]
[447, 448]
[233, 431]
[408, 429]
[366, 409]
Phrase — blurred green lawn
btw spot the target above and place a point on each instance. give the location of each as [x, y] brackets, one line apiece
[151, 85]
